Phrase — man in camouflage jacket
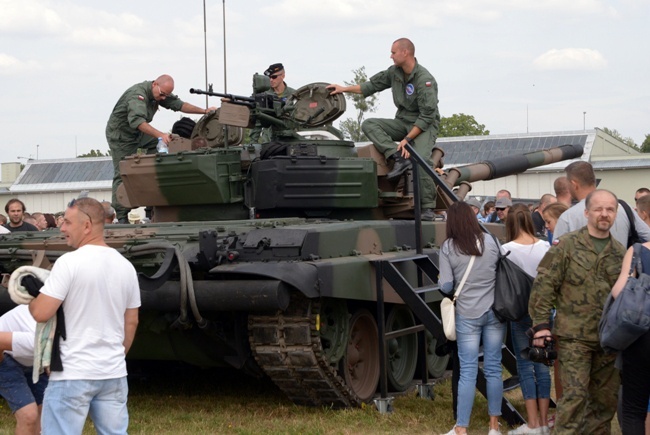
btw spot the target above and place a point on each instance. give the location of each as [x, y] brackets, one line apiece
[575, 277]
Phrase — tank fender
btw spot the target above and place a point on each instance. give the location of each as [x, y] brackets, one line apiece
[302, 276]
[163, 273]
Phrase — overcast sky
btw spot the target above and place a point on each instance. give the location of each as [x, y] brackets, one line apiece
[515, 65]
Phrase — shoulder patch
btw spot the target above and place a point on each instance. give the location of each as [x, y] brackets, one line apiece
[140, 97]
[427, 84]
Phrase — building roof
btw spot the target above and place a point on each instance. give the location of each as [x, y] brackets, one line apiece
[88, 173]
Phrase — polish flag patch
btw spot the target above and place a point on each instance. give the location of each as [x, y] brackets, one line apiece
[428, 84]
[140, 97]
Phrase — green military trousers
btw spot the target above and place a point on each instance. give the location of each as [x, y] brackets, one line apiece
[384, 132]
[590, 387]
[119, 150]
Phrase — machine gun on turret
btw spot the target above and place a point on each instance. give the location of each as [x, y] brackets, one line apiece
[311, 106]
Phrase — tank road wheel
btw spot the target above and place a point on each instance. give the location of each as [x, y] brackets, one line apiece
[435, 364]
[334, 328]
[360, 364]
[402, 352]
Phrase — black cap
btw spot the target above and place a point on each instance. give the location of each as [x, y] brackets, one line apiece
[272, 69]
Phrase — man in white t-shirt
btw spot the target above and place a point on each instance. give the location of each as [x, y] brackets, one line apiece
[24, 398]
[98, 290]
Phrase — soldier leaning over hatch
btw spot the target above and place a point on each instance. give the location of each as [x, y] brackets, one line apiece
[415, 93]
[128, 127]
[279, 89]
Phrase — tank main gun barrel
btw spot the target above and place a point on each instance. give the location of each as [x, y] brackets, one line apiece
[514, 164]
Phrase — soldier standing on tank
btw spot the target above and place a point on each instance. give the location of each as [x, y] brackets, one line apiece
[415, 93]
[575, 276]
[129, 127]
[280, 90]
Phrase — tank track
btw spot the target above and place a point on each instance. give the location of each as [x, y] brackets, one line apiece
[287, 346]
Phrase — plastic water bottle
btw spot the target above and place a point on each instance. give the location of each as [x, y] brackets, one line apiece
[162, 146]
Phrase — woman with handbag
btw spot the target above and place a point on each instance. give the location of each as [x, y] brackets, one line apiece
[526, 251]
[474, 317]
[635, 375]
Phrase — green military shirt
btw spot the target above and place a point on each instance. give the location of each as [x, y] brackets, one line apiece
[575, 279]
[263, 135]
[135, 106]
[415, 96]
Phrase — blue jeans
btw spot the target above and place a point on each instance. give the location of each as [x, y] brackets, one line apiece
[534, 378]
[68, 403]
[468, 337]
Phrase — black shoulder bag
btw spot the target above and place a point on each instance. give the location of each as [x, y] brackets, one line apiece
[511, 290]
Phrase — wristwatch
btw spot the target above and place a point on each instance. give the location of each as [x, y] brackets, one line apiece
[409, 140]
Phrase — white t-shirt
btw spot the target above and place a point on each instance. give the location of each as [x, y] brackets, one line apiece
[22, 325]
[97, 285]
[527, 256]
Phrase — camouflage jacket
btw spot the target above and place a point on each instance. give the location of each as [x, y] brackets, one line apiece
[575, 279]
[259, 134]
[415, 96]
[135, 106]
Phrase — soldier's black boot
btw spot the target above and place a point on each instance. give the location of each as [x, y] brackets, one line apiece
[401, 165]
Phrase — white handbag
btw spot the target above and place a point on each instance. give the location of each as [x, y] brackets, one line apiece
[448, 306]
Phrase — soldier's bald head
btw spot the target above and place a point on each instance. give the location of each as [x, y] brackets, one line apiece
[406, 44]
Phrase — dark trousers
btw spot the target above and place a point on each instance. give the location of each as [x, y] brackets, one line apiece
[636, 385]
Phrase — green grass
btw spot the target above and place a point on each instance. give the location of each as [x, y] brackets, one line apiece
[182, 400]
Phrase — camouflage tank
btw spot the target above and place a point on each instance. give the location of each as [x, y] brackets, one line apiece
[265, 258]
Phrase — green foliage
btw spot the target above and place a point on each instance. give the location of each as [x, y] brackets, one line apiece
[645, 146]
[95, 153]
[351, 127]
[460, 124]
[627, 140]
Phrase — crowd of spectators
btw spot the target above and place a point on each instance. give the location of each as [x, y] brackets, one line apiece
[582, 233]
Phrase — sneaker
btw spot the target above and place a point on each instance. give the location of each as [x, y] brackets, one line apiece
[524, 429]
[451, 432]
[494, 432]
[551, 421]
[428, 215]
[546, 430]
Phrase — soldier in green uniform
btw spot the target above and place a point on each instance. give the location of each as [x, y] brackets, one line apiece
[279, 89]
[415, 93]
[575, 276]
[129, 125]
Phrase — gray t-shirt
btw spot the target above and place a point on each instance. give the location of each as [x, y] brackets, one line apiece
[574, 218]
[477, 296]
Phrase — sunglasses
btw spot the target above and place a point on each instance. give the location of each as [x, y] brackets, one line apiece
[275, 76]
[73, 203]
[162, 94]
[500, 209]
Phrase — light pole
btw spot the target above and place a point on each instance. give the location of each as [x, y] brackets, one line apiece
[37, 151]
[584, 123]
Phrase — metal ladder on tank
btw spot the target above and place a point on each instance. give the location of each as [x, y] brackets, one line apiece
[415, 297]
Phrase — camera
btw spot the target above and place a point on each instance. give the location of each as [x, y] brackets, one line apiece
[545, 355]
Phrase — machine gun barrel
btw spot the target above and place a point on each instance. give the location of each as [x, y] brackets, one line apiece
[510, 165]
[237, 99]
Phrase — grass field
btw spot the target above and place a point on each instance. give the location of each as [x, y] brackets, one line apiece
[180, 400]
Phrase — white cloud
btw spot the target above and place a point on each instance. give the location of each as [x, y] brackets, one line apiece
[10, 65]
[571, 59]
[29, 17]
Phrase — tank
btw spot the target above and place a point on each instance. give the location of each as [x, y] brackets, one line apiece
[266, 258]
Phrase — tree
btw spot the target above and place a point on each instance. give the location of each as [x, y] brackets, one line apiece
[626, 140]
[95, 153]
[460, 124]
[645, 146]
[351, 127]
